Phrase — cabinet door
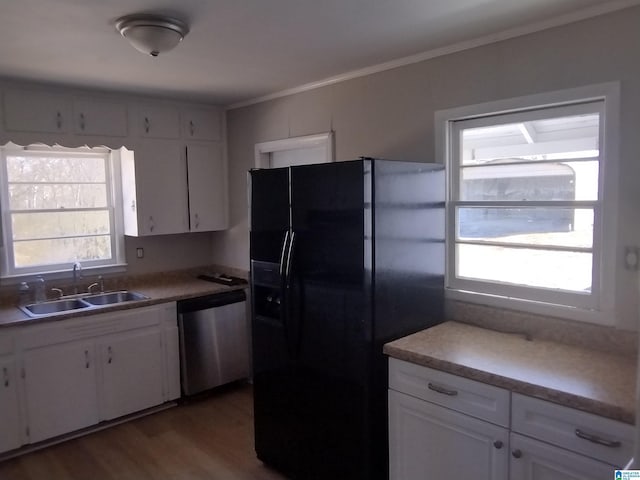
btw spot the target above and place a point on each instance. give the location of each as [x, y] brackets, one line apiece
[31, 111]
[535, 460]
[9, 410]
[427, 441]
[207, 187]
[60, 386]
[161, 187]
[155, 121]
[95, 117]
[201, 124]
[131, 372]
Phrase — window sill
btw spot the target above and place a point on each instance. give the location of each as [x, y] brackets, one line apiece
[537, 308]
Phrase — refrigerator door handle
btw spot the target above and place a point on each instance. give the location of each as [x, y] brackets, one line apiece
[292, 335]
[284, 306]
[283, 256]
[287, 274]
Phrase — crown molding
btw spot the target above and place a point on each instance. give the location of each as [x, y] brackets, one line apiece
[558, 21]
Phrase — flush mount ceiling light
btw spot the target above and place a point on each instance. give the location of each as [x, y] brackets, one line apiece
[152, 34]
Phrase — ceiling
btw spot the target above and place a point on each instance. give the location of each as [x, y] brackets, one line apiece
[243, 49]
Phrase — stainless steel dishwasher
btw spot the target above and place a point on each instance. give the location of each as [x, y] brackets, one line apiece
[214, 344]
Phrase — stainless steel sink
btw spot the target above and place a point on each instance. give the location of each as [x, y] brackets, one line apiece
[54, 306]
[114, 297]
[80, 303]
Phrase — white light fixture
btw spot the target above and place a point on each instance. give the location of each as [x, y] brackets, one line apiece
[152, 34]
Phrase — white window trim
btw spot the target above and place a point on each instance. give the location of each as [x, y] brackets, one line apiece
[607, 240]
[117, 224]
[264, 150]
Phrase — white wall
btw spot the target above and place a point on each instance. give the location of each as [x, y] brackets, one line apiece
[391, 114]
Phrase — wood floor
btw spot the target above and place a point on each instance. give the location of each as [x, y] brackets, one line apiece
[209, 438]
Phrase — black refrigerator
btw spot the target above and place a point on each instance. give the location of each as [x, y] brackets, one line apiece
[345, 257]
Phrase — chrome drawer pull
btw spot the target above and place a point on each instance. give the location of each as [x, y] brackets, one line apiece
[597, 439]
[444, 391]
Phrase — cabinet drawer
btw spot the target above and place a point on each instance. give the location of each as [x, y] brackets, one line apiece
[461, 394]
[566, 427]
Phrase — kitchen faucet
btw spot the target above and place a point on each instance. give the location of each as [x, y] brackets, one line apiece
[99, 283]
[77, 273]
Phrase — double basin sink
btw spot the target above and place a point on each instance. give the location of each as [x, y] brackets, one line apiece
[84, 302]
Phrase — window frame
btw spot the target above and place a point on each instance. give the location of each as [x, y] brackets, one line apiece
[9, 272]
[599, 306]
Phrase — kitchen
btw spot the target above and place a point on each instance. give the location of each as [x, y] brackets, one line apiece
[390, 114]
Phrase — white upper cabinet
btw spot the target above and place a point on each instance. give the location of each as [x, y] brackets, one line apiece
[155, 189]
[202, 124]
[207, 187]
[157, 121]
[175, 181]
[35, 111]
[99, 117]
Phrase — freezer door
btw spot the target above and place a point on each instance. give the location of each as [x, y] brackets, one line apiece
[269, 212]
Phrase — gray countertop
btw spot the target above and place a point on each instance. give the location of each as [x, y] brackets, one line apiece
[593, 381]
[160, 288]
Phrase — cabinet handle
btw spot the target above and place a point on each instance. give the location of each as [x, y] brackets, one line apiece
[151, 224]
[133, 205]
[442, 390]
[82, 123]
[5, 374]
[516, 453]
[146, 124]
[87, 363]
[197, 221]
[498, 444]
[596, 439]
[59, 120]
[110, 352]
[192, 127]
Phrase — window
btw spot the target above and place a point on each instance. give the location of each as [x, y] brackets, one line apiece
[58, 207]
[295, 151]
[526, 209]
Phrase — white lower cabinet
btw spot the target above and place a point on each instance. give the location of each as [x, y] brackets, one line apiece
[10, 430]
[61, 389]
[131, 373]
[76, 373]
[428, 442]
[536, 460]
[445, 426]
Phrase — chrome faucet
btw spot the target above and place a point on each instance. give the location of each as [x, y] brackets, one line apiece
[99, 283]
[77, 273]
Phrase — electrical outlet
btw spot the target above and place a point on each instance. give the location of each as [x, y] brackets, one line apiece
[631, 258]
[140, 252]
